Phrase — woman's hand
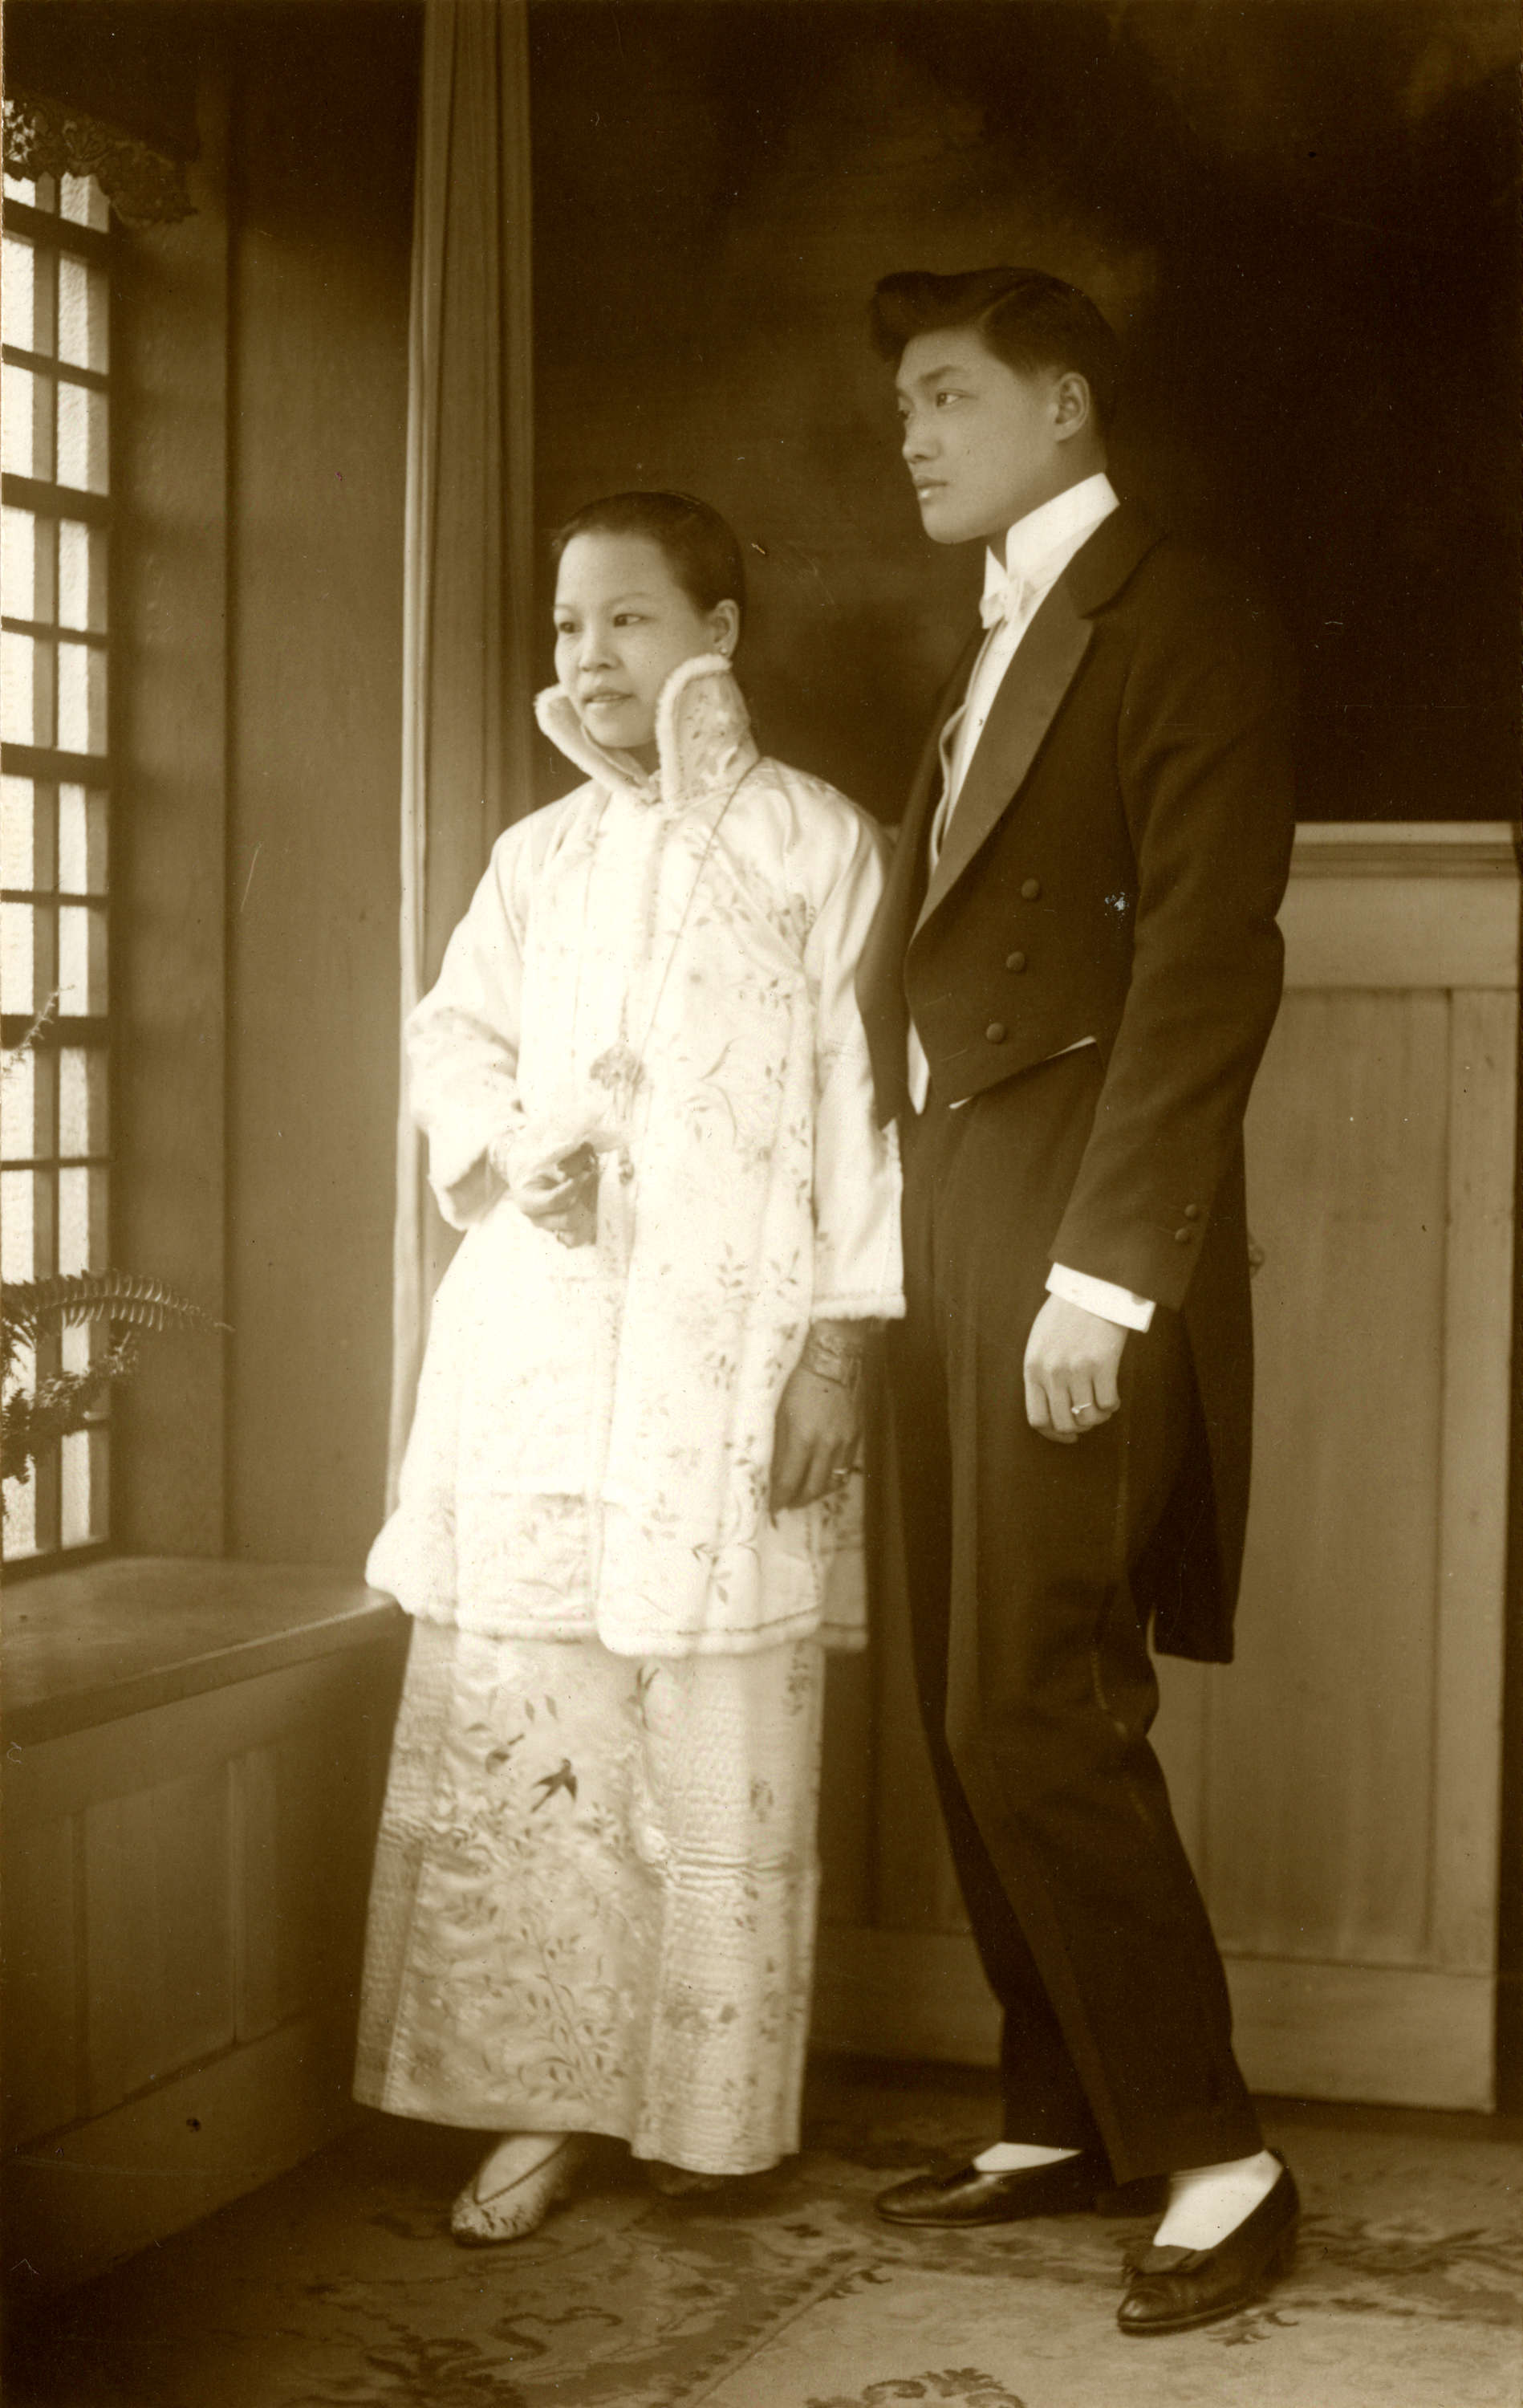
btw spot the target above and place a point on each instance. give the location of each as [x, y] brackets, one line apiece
[820, 1416]
[559, 1195]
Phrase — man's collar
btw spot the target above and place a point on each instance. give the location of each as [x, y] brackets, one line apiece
[1047, 538]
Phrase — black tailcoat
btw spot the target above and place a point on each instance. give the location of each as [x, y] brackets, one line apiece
[1112, 870]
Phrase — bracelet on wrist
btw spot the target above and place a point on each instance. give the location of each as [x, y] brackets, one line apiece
[835, 1357]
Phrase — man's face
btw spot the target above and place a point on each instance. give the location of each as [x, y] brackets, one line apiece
[981, 440]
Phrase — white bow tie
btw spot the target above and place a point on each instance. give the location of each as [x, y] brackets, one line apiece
[1004, 598]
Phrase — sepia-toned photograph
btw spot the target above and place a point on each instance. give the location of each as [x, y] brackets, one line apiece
[761, 1390]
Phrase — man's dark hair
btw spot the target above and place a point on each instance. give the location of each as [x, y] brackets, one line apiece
[1026, 318]
[702, 549]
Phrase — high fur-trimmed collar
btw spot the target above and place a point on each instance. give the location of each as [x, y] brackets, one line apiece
[702, 735]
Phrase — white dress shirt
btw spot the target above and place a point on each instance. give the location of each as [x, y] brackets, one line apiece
[1037, 549]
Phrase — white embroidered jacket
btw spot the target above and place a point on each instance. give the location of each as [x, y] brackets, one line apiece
[662, 965]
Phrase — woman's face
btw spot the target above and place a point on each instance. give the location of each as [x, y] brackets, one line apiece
[622, 625]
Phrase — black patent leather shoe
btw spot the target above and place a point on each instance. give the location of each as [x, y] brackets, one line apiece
[1066, 2186]
[1173, 2290]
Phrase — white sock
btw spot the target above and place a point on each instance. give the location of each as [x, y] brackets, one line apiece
[1208, 2202]
[1013, 2157]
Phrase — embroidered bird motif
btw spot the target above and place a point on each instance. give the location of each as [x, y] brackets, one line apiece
[563, 1778]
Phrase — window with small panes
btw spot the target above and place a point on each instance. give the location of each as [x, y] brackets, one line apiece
[55, 809]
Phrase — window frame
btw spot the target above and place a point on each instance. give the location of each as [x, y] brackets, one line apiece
[49, 769]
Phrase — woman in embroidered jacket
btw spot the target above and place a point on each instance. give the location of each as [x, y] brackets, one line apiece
[628, 1523]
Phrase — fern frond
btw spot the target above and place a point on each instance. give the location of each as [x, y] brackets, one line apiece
[35, 1420]
[31, 1307]
[15, 1055]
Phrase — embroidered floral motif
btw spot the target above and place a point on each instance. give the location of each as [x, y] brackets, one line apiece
[594, 1896]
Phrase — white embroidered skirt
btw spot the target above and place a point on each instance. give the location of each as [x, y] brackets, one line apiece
[594, 1896]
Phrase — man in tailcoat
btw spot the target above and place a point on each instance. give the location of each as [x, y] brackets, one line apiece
[1067, 993]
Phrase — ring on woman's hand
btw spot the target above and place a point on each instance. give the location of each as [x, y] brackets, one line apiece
[843, 1471]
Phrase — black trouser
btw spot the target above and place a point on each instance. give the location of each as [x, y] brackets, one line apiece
[1034, 1675]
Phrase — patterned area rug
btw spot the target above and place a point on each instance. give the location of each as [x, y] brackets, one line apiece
[338, 2287]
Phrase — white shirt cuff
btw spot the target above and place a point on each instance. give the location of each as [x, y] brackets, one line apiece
[1099, 1296]
[920, 1070]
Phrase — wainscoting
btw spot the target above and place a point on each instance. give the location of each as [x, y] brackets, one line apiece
[194, 1754]
[1338, 1787]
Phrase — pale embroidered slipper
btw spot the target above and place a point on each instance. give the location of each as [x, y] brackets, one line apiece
[522, 2180]
[680, 2182]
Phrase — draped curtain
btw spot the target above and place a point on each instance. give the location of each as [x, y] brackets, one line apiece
[468, 650]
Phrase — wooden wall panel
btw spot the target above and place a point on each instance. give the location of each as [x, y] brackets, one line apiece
[1472, 1540]
[1416, 923]
[118, 1758]
[178, 2152]
[121, 2014]
[223, 1846]
[257, 1881]
[1320, 1764]
[196, 1907]
[184, 1893]
[42, 1980]
[159, 1919]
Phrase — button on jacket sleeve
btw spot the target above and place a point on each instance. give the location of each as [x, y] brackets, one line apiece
[1204, 755]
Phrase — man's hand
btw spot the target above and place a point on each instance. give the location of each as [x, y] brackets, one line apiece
[1072, 1360]
[819, 1417]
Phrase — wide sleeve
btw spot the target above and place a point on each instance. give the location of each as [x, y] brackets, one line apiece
[1206, 758]
[463, 1039]
[858, 1271]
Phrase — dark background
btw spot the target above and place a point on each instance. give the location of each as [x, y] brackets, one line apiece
[1302, 218]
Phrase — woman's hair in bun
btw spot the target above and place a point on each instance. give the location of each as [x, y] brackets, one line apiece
[701, 548]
